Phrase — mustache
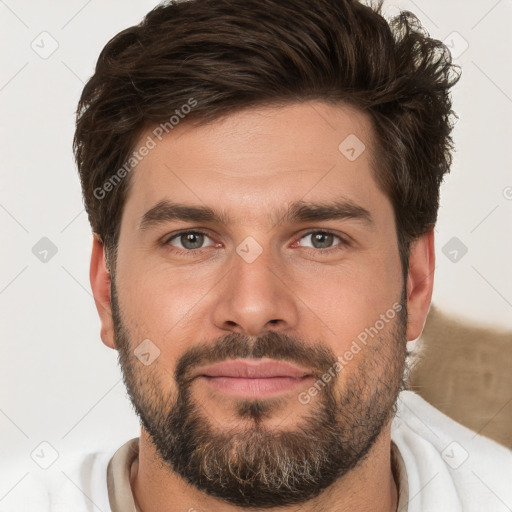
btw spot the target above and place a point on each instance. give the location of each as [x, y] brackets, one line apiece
[279, 346]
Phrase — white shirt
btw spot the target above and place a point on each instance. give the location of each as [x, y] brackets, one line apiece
[441, 466]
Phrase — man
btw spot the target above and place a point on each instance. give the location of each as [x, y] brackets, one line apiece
[262, 180]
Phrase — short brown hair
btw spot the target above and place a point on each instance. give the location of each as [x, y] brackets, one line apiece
[228, 55]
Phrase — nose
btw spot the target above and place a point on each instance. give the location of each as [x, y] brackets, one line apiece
[255, 296]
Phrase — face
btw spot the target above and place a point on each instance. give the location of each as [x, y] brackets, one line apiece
[258, 302]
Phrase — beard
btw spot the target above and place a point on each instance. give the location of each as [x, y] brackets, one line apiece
[257, 466]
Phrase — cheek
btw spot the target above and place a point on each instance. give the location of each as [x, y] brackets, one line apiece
[352, 298]
[162, 304]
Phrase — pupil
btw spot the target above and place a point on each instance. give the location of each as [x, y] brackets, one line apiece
[322, 240]
[192, 240]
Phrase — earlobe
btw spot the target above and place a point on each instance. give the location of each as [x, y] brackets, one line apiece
[420, 282]
[100, 284]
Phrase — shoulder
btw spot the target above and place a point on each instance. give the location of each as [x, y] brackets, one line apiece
[448, 465]
[76, 480]
[82, 482]
[22, 489]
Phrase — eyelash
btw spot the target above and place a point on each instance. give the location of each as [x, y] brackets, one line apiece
[192, 252]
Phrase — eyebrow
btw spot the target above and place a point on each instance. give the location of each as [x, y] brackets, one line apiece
[298, 211]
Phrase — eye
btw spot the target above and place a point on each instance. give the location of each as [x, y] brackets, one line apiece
[188, 240]
[320, 240]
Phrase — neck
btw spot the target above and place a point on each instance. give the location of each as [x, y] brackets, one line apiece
[370, 486]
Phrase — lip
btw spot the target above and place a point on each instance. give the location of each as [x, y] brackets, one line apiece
[254, 388]
[247, 369]
[243, 378]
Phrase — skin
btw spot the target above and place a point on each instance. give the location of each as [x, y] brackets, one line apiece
[249, 164]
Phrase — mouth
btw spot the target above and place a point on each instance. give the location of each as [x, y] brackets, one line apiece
[246, 378]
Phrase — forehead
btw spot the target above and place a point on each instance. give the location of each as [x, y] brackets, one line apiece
[258, 160]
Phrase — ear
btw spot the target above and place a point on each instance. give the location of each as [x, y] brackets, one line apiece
[100, 284]
[420, 282]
